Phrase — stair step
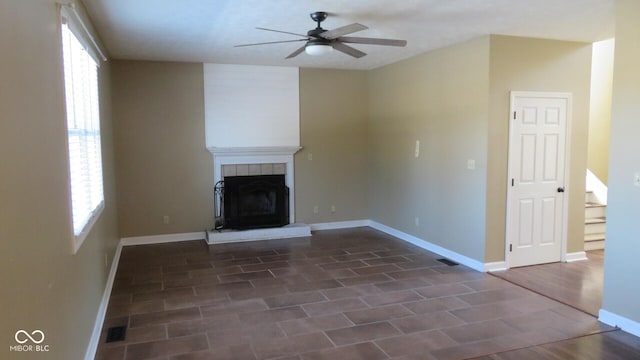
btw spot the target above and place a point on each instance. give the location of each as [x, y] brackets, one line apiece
[590, 197]
[595, 220]
[594, 205]
[594, 237]
[594, 245]
[595, 211]
[595, 228]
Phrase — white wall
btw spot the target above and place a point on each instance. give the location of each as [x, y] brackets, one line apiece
[251, 106]
[600, 108]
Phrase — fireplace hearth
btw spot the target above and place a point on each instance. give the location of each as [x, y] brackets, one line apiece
[254, 202]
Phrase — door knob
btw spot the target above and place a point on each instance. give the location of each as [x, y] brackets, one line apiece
[560, 189]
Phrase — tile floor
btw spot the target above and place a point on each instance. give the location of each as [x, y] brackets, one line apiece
[340, 294]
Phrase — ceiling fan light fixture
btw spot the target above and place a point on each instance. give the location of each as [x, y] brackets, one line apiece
[318, 49]
[321, 42]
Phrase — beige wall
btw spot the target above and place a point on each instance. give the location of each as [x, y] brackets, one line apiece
[440, 99]
[522, 64]
[333, 130]
[621, 285]
[163, 166]
[42, 285]
[456, 102]
[600, 108]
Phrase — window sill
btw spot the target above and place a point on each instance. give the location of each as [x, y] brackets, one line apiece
[79, 239]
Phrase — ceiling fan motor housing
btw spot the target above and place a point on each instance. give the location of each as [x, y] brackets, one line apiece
[318, 16]
[319, 41]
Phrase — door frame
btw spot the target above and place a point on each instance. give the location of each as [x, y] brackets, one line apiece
[568, 97]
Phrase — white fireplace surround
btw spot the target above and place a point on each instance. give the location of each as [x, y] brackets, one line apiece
[258, 155]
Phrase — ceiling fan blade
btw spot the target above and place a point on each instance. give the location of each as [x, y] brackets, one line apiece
[343, 30]
[297, 52]
[372, 41]
[280, 31]
[348, 50]
[270, 42]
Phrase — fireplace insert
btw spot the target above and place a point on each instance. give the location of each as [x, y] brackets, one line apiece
[252, 202]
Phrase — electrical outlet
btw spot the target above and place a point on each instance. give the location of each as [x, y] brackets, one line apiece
[636, 179]
[166, 219]
[417, 151]
[316, 209]
[309, 156]
[471, 164]
[333, 209]
[417, 220]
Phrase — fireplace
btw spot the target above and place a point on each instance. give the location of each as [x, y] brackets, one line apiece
[252, 202]
[247, 162]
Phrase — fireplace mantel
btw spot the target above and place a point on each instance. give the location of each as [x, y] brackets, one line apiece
[254, 151]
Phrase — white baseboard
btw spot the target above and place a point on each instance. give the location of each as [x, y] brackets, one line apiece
[340, 225]
[160, 239]
[496, 266]
[502, 265]
[451, 255]
[628, 325]
[104, 304]
[576, 256]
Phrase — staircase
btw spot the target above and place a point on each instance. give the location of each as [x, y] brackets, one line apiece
[595, 223]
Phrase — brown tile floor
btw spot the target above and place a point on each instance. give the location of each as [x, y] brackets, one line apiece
[342, 294]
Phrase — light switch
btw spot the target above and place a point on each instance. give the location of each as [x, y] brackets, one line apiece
[309, 156]
[471, 164]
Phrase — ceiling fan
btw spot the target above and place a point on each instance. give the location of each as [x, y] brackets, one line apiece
[320, 41]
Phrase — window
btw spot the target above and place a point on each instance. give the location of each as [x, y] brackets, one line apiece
[83, 131]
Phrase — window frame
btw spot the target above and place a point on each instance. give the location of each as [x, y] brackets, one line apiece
[69, 21]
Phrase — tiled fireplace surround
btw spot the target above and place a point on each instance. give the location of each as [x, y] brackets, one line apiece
[254, 169]
[247, 161]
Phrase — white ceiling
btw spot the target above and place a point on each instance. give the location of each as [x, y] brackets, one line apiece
[207, 30]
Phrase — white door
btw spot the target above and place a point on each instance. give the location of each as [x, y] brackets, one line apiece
[537, 195]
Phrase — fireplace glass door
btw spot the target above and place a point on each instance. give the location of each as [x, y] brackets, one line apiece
[252, 202]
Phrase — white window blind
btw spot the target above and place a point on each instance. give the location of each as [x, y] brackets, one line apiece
[83, 132]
